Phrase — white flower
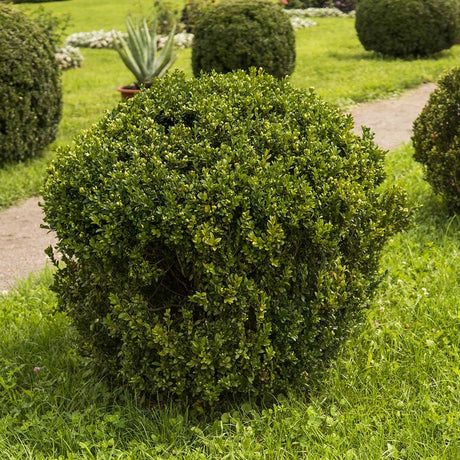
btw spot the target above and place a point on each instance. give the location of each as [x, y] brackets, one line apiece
[301, 23]
[316, 12]
[68, 57]
[94, 39]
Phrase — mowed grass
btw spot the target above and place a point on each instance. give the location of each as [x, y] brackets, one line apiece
[393, 392]
[88, 15]
[331, 59]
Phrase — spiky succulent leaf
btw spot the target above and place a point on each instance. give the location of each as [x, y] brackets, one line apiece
[139, 51]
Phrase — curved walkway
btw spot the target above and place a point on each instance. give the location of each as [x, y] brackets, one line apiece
[22, 241]
[391, 119]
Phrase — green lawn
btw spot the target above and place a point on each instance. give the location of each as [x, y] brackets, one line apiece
[332, 60]
[394, 390]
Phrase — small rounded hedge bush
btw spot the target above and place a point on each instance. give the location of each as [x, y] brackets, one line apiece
[237, 34]
[219, 235]
[437, 138]
[30, 87]
[409, 27]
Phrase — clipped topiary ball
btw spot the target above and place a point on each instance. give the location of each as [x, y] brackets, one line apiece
[219, 235]
[404, 28]
[237, 34]
[30, 87]
[437, 138]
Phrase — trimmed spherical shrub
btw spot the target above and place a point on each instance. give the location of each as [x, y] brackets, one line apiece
[30, 87]
[237, 34]
[437, 138]
[409, 27]
[218, 235]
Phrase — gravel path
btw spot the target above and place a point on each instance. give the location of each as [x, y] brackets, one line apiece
[391, 120]
[22, 241]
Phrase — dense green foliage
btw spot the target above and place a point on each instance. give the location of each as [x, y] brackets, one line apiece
[343, 5]
[165, 14]
[192, 12]
[30, 87]
[309, 3]
[29, 1]
[54, 26]
[437, 138]
[220, 235]
[237, 34]
[408, 28]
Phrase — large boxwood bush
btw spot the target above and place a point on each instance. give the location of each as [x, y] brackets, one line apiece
[437, 138]
[404, 28]
[237, 34]
[218, 235]
[30, 87]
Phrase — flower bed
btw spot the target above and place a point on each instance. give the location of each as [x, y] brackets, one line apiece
[69, 57]
[318, 13]
[105, 39]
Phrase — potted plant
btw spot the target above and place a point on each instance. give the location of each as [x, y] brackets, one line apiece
[140, 53]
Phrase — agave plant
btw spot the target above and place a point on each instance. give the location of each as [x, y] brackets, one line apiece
[140, 53]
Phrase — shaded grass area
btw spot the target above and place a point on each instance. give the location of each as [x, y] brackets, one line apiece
[331, 59]
[393, 392]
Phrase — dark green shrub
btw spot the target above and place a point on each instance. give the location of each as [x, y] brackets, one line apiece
[409, 27]
[192, 12]
[52, 25]
[219, 235]
[165, 15]
[344, 5]
[437, 138]
[237, 34]
[29, 1]
[30, 87]
[315, 3]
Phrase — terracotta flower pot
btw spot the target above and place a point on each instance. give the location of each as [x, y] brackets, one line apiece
[128, 91]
